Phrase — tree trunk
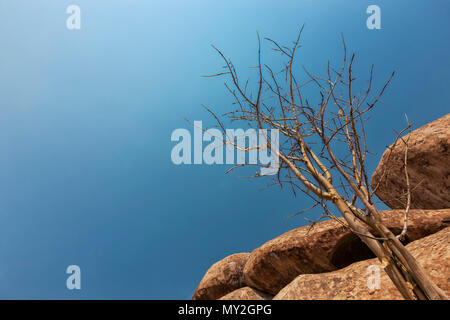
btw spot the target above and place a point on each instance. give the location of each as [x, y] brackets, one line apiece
[401, 267]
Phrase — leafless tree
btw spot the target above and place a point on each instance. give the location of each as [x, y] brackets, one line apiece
[323, 151]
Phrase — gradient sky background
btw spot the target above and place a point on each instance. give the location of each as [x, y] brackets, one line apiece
[86, 117]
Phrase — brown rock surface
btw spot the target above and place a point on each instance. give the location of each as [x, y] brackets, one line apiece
[351, 282]
[428, 169]
[247, 293]
[223, 277]
[326, 247]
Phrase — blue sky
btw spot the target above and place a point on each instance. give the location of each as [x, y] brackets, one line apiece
[86, 116]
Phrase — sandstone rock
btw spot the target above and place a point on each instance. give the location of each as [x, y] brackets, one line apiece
[326, 247]
[352, 282]
[223, 277]
[247, 293]
[428, 169]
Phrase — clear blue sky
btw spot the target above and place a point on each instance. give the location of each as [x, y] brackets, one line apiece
[86, 117]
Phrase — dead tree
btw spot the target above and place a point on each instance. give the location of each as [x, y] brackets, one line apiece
[322, 151]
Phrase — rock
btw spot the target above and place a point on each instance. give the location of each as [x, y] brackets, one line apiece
[247, 293]
[352, 282]
[326, 247]
[428, 169]
[223, 277]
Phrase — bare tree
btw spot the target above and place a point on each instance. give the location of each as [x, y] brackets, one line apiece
[323, 151]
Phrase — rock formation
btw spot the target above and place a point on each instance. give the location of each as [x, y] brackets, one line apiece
[247, 293]
[428, 169]
[223, 277]
[326, 247]
[351, 282]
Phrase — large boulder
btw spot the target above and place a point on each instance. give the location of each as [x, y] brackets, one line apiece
[223, 277]
[326, 247]
[428, 169]
[356, 281]
[247, 293]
